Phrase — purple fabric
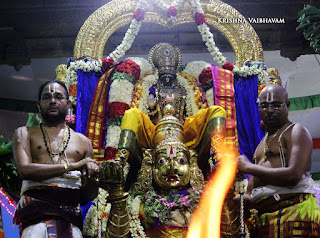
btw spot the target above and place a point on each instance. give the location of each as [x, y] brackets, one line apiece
[247, 111]
[87, 82]
[317, 194]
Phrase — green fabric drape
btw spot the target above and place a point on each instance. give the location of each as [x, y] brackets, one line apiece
[302, 103]
[315, 176]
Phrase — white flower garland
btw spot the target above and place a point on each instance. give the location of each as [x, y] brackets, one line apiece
[207, 36]
[191, 106]
[141, 4]
[136, 229]
[241, 185]
[165, 7]
[196, 6]
[214, 51]
[246, 71]
[210, 97]
[130, 35]
[127, 41]
[85, 66]
[145, 66]
[121, 91]
[126, 170]
[90, 227]
[147, 82]
[195, 68]
[113, 136]
[263, 77]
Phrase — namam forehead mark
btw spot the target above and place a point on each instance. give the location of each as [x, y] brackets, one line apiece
[269, 97]
[273, 93]
[53, 88]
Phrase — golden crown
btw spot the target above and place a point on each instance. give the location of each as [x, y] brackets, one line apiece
[166, 58]
[169, 136]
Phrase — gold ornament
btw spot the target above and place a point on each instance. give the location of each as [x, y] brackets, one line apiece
[166, 58]
[97, 29]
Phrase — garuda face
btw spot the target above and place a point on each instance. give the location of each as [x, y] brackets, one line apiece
[172, 169]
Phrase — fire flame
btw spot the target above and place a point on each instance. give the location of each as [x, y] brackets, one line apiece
[206, 218]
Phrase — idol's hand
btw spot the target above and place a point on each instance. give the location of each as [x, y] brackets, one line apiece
[111, 177]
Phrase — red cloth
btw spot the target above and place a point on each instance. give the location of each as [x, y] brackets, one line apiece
[316, 143]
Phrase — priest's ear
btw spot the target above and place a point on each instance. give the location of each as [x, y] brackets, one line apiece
[288, 104]
[38, 106]
[69, 104]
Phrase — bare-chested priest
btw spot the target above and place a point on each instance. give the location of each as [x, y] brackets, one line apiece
[280, 184]
[57, 168]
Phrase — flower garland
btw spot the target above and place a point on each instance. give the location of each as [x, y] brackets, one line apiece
[199, 96]
[204, 30]
[210, 97]
[241, 186]
[147, 83]
[136, 229]
[145, 66]
[138, 16]
[165, 7]
[145, 70]
[70, 119]
[71, 79]
[201, 71]
[195, 68]
[127, 40]
[191, 106]
[171, 10]
[137, 94]
[120, 98]
[159, 207]
[131, 33]
[207, 37]
[99, 209]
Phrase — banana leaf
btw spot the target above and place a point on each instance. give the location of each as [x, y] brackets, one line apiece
[309, 19]
[9, 179]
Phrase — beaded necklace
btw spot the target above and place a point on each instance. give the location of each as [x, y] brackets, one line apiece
[64, 142]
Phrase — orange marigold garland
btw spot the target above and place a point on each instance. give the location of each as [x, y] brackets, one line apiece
[199, 96]
[260, 87]
[136, 95]
[73, 90]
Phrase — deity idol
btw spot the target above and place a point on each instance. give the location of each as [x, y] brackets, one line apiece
[168, 96]
[167, 190]
[171, 151]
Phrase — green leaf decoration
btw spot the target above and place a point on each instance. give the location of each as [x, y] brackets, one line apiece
[8, 146]
[33, 120]
[5, 148]
[9, 178]
[309, 19]
[2, 141]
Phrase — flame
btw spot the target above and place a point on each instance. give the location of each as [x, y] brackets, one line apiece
[206, 218]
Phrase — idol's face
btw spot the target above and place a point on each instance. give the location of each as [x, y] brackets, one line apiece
[168, 80]
[53, 103]
[171, 172]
